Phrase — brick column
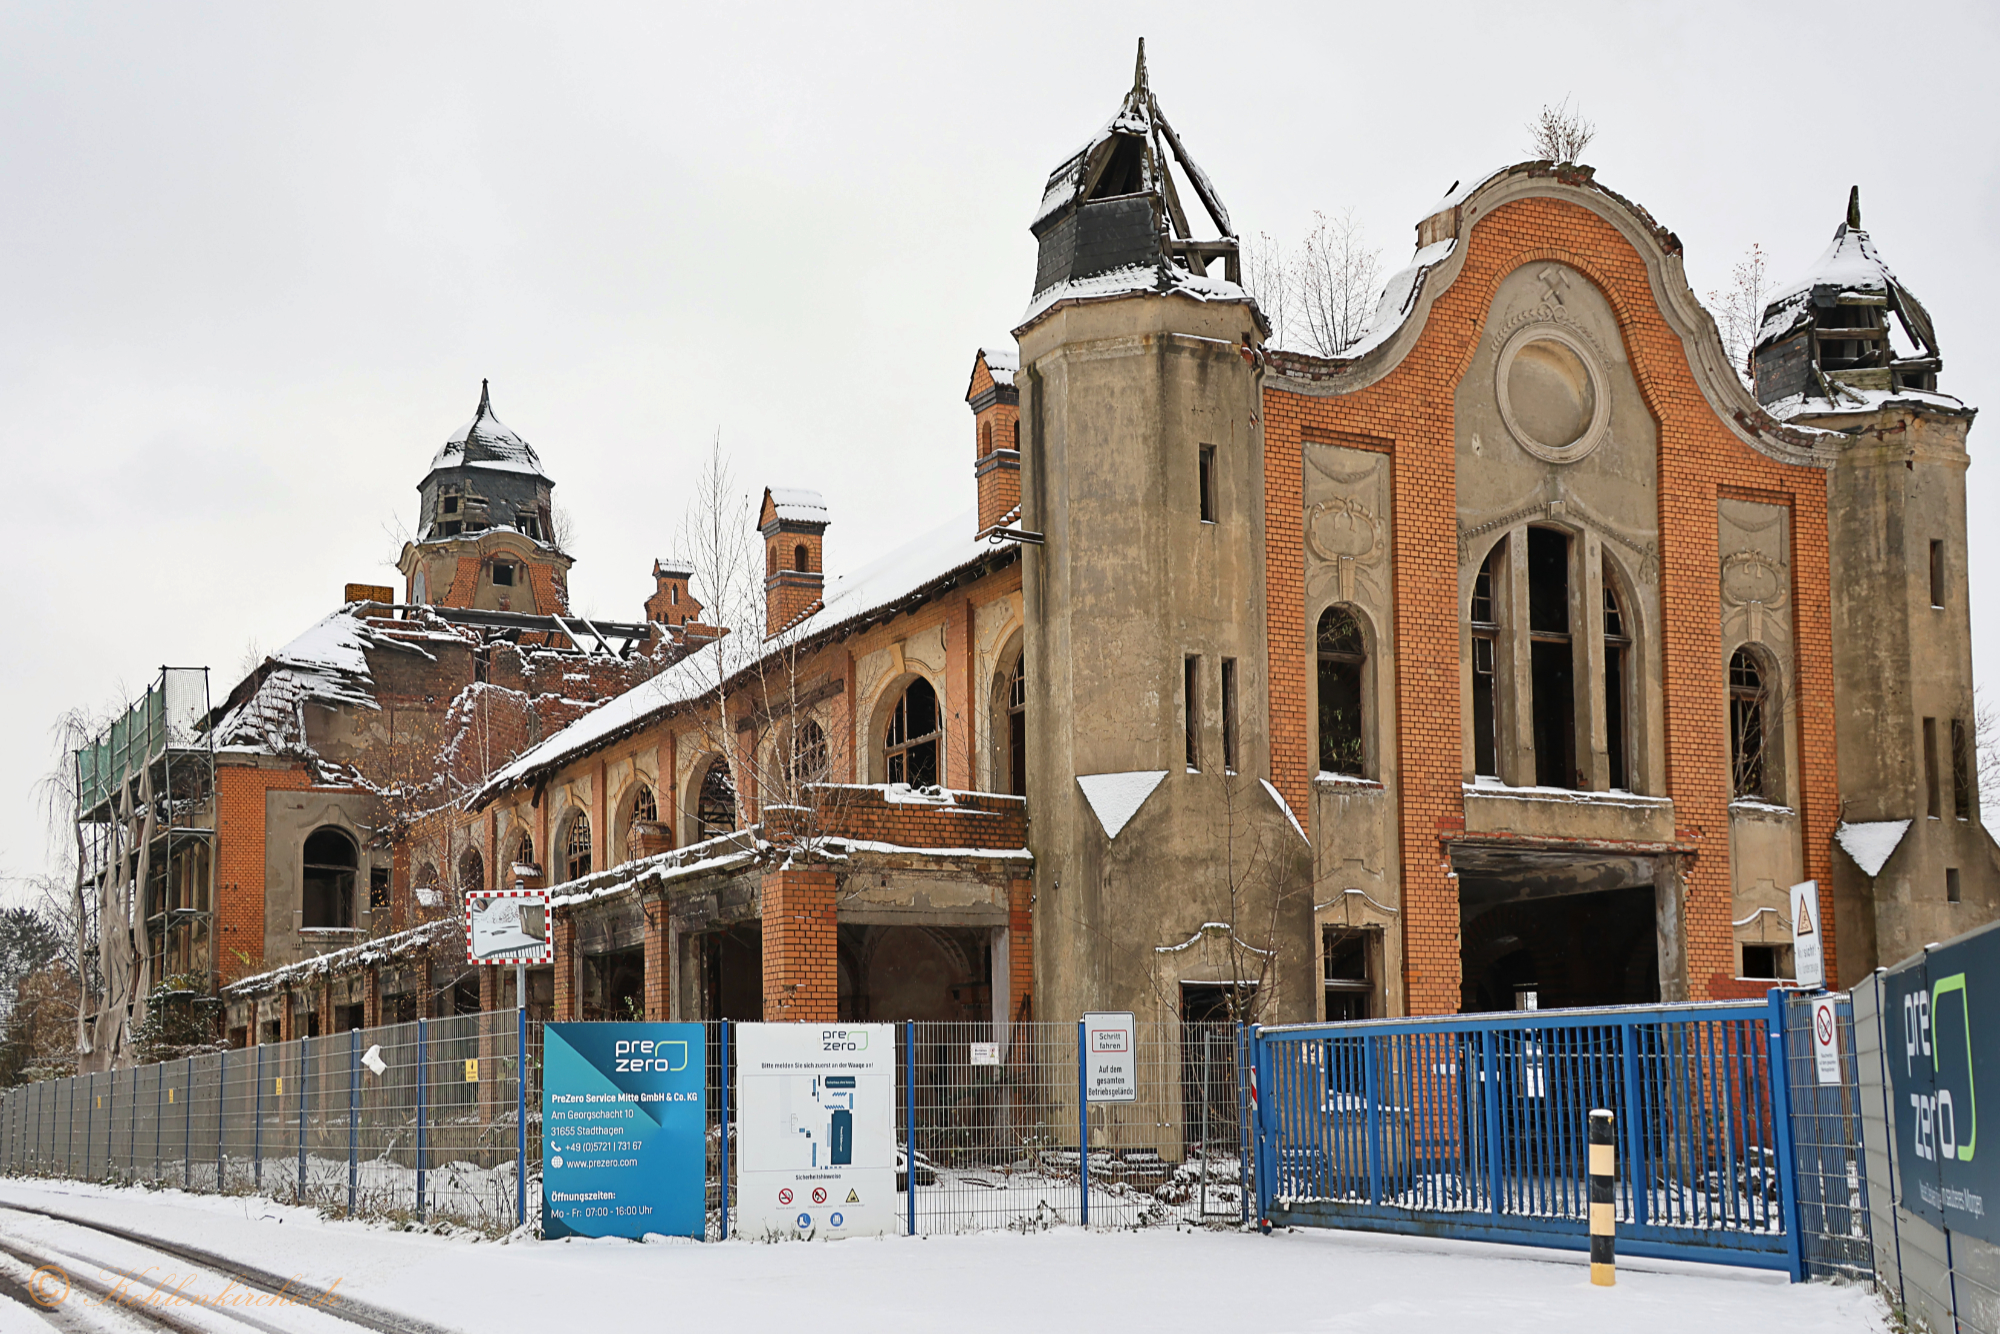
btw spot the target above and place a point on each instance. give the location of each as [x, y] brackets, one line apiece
[490, 993]
[801, 970]
[1020, 951]
[371, 998]
[562, 948]
[659, 971]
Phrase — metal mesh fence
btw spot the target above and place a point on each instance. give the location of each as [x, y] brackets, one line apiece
[1826, 1147]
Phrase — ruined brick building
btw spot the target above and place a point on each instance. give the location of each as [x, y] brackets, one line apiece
[1520, 648]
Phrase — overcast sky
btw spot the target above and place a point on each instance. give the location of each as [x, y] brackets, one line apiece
[255, 259]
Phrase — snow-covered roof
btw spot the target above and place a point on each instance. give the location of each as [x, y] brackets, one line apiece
[1163, 279]
[1002, 363]
[382, 949]
[1849, 400]
[797, 504]
[872, 589]
[1850, 271]
[1398, 298]
[328, 665]
[484, 442]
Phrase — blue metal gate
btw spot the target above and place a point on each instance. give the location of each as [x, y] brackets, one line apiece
[1476, 1127]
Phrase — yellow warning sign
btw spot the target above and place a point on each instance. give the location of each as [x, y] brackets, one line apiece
[170, 1095]
[280, 1089]
[853, 1197]
[472, 1070]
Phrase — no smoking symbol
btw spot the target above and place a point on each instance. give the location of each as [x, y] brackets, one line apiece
[784, 1197]
[819, 1195]
[1824, 1020]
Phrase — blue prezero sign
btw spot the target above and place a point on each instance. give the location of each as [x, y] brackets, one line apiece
[624, 1130]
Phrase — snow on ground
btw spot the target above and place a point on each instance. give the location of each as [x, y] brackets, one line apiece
[1061, 1279]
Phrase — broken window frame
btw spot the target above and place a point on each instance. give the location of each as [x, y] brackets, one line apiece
[334, 877]
[1552, 660]
[1617, 688]
[1341, 655]
[1483, 621]
[576, 847]
[1017, 726]
[1191, 709]
[912, 744]
[715, 801]
[1354, 989]
[1749, 726]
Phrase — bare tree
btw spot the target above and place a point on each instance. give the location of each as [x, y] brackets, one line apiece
[1560, 134]
[1268, 277]
[1336, 282]
[1985, 743]
[1739, 310]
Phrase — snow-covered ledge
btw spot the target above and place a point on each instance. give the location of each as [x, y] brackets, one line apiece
[1492, 807]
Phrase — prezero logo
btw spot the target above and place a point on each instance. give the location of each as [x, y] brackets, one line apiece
[843, 1039]
[642, 1056]
[1938, 1128]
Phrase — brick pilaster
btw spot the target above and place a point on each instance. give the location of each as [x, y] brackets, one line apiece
[562, 946]
[801, 968]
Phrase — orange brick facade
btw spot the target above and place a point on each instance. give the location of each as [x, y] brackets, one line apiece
[1409, 413]
[239, 801]
[801, 935]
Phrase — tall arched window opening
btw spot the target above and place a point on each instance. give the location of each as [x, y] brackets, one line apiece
[910, 747]
[715, 803]
[576, 848]
[643, 805]
[471, 873]
[1485, 622]
[642, 814]
[1343, 658]
[1747, 730]
[805, 756]
[1617, 650]
[328, 898]
[1552, 659]
[800, 559]
[1017, 727]
[524, 853]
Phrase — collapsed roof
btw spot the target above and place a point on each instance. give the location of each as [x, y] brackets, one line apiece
[485, 442]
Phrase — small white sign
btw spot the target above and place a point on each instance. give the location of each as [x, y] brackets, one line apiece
[818, 1130]
[1826, 1040]
[1808, 967]
[507, 926]
[986, 1053]
[1111, 1057]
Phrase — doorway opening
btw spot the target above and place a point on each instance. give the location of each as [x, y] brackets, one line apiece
[1555, 930]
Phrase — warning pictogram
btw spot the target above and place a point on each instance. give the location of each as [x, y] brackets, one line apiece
[1805, 923]
[784, 1197]
[819, 1194]
[853, 1197]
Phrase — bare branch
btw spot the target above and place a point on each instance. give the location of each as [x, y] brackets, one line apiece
[1560, 134]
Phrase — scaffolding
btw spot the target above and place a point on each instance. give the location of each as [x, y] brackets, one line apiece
[146, 829]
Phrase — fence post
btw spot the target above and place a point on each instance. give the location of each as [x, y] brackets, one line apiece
[257, 1125]
[1489, 1114]
[1263, 1110]
[221, 1119]
[420, 1119]
[724, 1100]
[1082, 1128]
[299, 1183]
[1371, 1085]
[89, 1120]
[187, 1131]
[1244, 1129]
[910, 1125]
[1637, 1175]
[353, 1115]
[1603, 1171]
[1780, 1074]
[520, 1102]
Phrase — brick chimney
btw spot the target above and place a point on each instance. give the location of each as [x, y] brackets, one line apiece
[672, 605]
[793, 523]
[996, 424]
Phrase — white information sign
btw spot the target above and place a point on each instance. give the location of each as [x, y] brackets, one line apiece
[1826, 1040]
[507, 926]
[1111, 1057]
[1808, 969]
[986, 1053]
[818, 1133]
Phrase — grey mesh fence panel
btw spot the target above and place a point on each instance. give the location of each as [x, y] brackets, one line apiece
[1826, 1147]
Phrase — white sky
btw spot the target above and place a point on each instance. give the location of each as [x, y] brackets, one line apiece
[254, 260]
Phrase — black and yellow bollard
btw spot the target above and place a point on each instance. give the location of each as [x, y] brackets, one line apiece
[1603, 1200]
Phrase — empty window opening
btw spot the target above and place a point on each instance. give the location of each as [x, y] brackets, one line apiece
[529, 523]
[378, 888]
[451, 529]
[1014, 437]
[800, 558]
[471, 872]
[1767, 962]
[448, 504]
[1343, 658]
[1746, 725]
[1229, 715]
[910, 750]
[715, 802]
[1617, 647]
[1951, 890]
[1208, 483]
[805, 756]
[673, 595]
[1350, 974]
[576, 848]
[1937, 574]
[643, 805]
[1017, 728]
[1933, 800]
[1190, 709]
[1485, 654]
[1961, 769]
[328, 898]
[1551, 659]
[503, 574]
[985, 439]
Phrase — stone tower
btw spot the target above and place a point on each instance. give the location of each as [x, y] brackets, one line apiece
[1917, 863]
[485, 530]
[1168, 875]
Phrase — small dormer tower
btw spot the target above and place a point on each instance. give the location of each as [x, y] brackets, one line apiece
[793, 523]
[996, 428]
[672, 604]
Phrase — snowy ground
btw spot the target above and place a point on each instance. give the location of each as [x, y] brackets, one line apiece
[1160, 1279]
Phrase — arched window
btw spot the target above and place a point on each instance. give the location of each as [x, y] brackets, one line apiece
[1552, 660]
[800, 561]
[576, 848]
[1485, 625]
[910, 747]
[1748, 732]
[1617, 675]
[805, 757]
[328, 898]
[1017, 727]
[524, 852]
[1014, 437]
[1343, 657]
[985, 439]
[471, 873]
[643, 805]
[715, 804]
[424, 883]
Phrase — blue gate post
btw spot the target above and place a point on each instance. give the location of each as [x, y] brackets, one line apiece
[1244, 1129]
[723, 1099]
[1263, 1098]
[1372, 1084]
[257, 1125]
[353, 1115]
[521, 1112]
[299, 1184]
[1489, 1115]
[1781, 1132]
[421, 1118]
[1082, 1128]
[910, 1124]
[1637, 1177]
